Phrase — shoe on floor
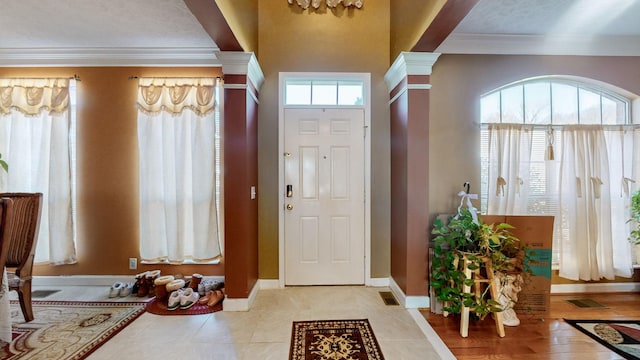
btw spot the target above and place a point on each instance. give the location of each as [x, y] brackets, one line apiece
[174, 300]
[216, 297]
[188, 298]
[115, 289]
[126, 289]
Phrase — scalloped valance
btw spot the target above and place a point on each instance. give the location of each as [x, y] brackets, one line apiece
[173, 95]
[32, 96]
[330, 3]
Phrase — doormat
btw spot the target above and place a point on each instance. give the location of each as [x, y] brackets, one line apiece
[586, 303]
[388, 298]
[620, 336]
[42, 293]
[334, 339]
[160, 308]
[66, 329]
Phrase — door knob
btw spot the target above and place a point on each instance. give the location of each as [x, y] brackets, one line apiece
[289, 206]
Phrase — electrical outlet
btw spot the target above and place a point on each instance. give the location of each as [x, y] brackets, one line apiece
[133, 263]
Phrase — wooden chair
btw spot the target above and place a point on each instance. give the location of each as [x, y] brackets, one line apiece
[22, 233]
[5, 216]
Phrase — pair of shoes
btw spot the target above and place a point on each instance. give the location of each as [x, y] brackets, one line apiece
[182, 298]
[126, 289]
[207, 285]
[145, 282]
[212, 298]
[121, 289]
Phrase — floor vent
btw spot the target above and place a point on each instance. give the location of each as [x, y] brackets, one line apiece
[586, 303]
[42, 293]
[388, 298]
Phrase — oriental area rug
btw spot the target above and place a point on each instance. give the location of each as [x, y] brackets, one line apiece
[66, 329]
[334, 339]
[620, 336]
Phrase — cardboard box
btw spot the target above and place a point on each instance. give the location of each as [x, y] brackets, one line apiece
[537, 233]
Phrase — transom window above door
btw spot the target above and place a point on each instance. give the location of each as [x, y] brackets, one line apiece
[324, 92]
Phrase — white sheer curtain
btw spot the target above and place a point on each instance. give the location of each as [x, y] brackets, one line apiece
[36, 140]
[176, 132]
[509, 159]
[587, 204]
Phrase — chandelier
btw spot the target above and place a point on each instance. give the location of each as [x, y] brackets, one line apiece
[330, 3]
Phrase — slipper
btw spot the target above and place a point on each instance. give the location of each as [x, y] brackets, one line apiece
[115, 289]
[216, 297]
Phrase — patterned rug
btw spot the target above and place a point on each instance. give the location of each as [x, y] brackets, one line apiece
[620, 336]
[334, 339]
[66, 330]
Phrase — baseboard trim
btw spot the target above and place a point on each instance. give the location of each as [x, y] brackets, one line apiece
[438, 345]
[92, 280]
[269, 284]
[242, 304]
[378, 282]
[595, 288]
[409, 302]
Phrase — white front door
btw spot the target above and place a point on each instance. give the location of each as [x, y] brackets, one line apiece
[324, 196]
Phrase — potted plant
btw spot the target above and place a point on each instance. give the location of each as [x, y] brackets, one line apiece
[465, 236]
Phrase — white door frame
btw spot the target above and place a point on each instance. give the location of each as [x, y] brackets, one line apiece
[366, 78]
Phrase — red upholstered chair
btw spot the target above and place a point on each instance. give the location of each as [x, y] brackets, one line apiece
[23, 229]
[5, 216]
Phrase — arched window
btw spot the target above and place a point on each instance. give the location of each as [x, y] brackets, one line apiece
[564, 146]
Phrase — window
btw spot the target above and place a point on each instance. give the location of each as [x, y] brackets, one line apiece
[179, 143]
[324, 92]
[37, 139]
[563, 147]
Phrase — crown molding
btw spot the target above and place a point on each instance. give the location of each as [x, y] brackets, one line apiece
[32, 57]
[410, 63]
[241, 63]
[541, 45]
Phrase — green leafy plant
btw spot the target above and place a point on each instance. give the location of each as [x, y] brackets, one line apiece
[634, 236]
[462, 237]
[4, 164]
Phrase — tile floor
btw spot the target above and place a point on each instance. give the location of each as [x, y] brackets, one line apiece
[264, 332]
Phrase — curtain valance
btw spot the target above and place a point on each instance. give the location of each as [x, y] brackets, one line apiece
[175, 95]
[33, 96]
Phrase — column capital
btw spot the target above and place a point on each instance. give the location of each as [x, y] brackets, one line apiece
[410, 63]
[241, 63]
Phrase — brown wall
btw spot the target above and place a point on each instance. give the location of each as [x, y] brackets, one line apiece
[107, 179]
[296, 40]
[459, 81]
[240, 173]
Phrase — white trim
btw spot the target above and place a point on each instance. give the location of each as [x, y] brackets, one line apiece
[540, 45]
[366, 78]
[409, 302]
[266, 284]
[241, 63]
[405, 88]
[242, 304]
[92, 280]
[438, 345]
[31, 57]
[378, 282]
[409, 63]
[242, 87]
[595, 288]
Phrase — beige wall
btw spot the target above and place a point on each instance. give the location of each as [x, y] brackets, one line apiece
[296, 40]
[108, 169]
[458, 82]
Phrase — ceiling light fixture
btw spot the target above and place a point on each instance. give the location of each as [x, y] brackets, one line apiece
[330, 3]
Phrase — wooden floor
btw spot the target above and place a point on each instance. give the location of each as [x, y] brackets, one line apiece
[538, 337]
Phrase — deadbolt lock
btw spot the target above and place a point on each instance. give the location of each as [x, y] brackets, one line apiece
[289, 206]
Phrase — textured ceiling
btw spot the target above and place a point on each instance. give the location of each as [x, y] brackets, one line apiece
[138, 32]
[100, 23]
[563, 27]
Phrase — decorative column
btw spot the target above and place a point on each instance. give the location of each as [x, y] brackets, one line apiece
[408, 82]
[242, 80]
